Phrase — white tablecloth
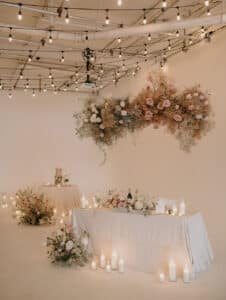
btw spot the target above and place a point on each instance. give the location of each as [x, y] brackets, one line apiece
[63, 198]
[147, 243]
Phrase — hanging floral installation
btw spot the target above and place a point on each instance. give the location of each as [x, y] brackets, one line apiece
[185, 114]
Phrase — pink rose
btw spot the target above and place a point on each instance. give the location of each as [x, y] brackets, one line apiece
[149, 101]
[166, 103]
[177, 117]
[148, 115]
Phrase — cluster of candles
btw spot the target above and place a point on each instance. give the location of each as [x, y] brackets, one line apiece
[173, 273]
[115, 263]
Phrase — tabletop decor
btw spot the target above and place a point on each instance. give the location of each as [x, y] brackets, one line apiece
[65, 247]
[185, 114]
[33, 208]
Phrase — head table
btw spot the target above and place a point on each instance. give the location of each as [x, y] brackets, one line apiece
[147, 243]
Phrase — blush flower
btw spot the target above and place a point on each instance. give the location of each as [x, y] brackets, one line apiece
[149, 101]
[160, 106]
[69, 245]
[148, 115]
[177, 118]
[166, 103]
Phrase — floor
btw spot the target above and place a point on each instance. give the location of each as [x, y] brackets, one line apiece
[26, 274]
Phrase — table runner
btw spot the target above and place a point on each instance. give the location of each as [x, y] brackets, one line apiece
[147, 242]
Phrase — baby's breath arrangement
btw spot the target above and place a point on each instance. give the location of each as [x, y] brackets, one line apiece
[185, 114]
[34, 209]
[63, 246]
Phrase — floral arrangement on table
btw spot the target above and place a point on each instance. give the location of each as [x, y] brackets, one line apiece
[136, 203]
[32, 208]
[63, 246]
[185, 114]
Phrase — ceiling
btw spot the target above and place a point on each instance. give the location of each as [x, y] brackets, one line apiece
[112, 60]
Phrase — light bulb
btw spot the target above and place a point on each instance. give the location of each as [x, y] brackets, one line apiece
[144, 18]
[169, 45]
[10, 38]
[44, 89]
[50, 74]
[67, 19]
[27, 84]
[177, 33]
[190, 41]
[0, 85]
[120, 54]
[10, 95]
[19, 15]
[101, 70]
[149, 37]
[123, 67]
[107, 20]
[119, 2]
[178, 14]
[164, 3]
[21, 75]
[119, 40]
[62, 57]
[145, 49]
[208, 12]
[33, 93]
[50, 37]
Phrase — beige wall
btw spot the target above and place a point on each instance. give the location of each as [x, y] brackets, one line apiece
[37, 135]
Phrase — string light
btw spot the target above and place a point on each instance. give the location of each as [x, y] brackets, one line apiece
[119, 40]
[145, 49]
[164, 3]
[120, 53]
[206, 2]
[55, 92]
[10, 38]
[177, 33]
[21, 74]
[208, 12]
[45, 89]
[52, 84]
[19, 15]
[67, 19]
[27, 84]
[107, 20]
[149, 37]
[62, 57]
[144, 17]
[10, 95]
[203, 32]
[33, 93]
[30, 56]
[169, 45]
[190, 41]
[123, 66]
[119, 2]
[50, 74]
[50, 36]
[178, 14]
[118, 73]
[101, 69]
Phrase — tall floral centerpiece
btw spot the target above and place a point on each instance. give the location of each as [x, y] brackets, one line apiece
[33, 208]
[184, 114]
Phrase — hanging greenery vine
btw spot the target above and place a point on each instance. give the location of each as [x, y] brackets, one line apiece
[185, 114]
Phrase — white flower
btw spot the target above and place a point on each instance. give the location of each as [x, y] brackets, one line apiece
[201, 97]
[93, 118]
[102, 126]
[121, 122]
[124, 113]
[122, 104]
[62, 244]
[188, 96]
[98, 120]
[139, 205]
[69, 245]
[199, 116]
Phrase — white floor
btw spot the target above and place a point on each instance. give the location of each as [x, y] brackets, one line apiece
[26, 274]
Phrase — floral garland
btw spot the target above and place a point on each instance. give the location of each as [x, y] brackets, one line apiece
[33, 208]
[185, 114]
[63, 246]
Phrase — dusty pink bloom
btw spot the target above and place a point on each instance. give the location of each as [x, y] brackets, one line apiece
[177, 117]
[160, 106]
[166, 103]
[148, 115]
[149, 101]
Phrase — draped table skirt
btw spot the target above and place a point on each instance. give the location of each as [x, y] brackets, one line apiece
[147, 243]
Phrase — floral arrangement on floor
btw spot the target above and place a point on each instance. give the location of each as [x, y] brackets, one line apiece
[136, 203]
[185, 114]
[63, 246]
[33, 208]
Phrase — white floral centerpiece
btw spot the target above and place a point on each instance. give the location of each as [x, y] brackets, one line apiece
[63, 246]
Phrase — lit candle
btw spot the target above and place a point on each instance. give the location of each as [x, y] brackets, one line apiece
[182, 208]
[63, 215]
[174, 209]
[54, 210]
[83, 202]
[93, 265]
[186, 274]
[61, 221]
[121, 265]
[108, 267]
[102, 261]
[114, 260]
[172, 271]
[161, 277]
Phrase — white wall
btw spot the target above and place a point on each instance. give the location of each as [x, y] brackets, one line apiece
[37, 135]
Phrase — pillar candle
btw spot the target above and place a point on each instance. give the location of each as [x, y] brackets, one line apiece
[172, 271]
[161, 277]
[83, 202]
[108, 267]
[102, 261]
[121, 265]
[114, 260]
[186, 274]
[182, 208]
